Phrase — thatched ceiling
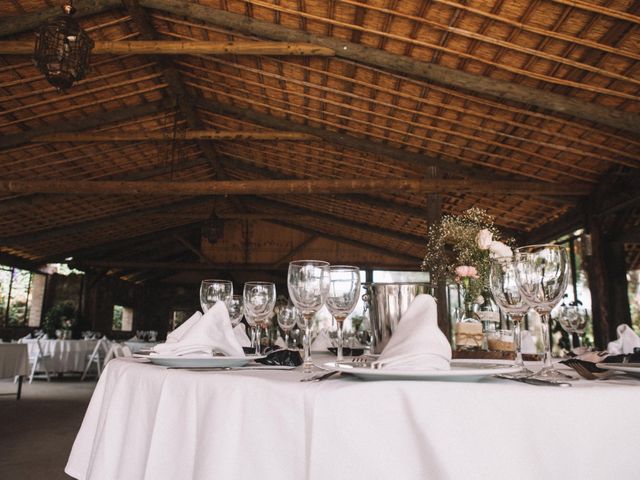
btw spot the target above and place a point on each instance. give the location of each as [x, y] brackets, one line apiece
[535, 103]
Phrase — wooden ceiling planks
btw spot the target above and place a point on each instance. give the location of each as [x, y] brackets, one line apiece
[386, 116]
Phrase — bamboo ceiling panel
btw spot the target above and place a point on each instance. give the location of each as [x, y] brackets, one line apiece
[433, 129]
[587, 51]
[467, 37]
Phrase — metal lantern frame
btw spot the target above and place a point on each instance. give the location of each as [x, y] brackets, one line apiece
[63, 50]
[213, 228]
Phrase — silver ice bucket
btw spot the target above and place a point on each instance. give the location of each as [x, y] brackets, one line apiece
[387, 302]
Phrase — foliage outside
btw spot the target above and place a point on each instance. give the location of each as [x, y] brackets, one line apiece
[62, 316]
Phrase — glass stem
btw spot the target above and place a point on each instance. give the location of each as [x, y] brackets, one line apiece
[286, 339]
[517, 336]
[546, 341]
[579, 335]
[306, 343]
[340, 356]
[258, 349]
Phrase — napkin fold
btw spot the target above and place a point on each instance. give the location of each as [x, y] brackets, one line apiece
[241, 335]
[203, 336]
[626, 342]
[528, 345]
[322, 342]
[417, 343]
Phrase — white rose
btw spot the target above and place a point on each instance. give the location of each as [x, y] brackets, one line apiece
[499, 249]
[483, 239]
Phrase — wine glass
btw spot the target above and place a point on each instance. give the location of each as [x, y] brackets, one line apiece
[573, 319]
[236, 309]
[542, 273]
[502, 281]
[344, 291]
[308, 284]
[259, 300]
[214, 290]
[287, 318]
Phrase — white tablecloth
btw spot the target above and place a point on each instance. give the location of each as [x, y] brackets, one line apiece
[14, 360]
[66, 355]
[149, 422]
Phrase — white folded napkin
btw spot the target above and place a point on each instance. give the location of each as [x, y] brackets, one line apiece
[203, 336]
[280, 343]
[241, 335]
[417, 343]
[322, 342]
[528, 345]
[626, 342]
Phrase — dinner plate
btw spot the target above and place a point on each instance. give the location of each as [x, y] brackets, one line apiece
[197, 362]
[461, 371]
[630, 368]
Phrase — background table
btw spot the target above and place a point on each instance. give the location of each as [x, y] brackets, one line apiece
[150, 422]
[14, 362]
[66, 355]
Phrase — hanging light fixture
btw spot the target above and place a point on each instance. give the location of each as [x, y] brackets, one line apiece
[63, 49]
[213, 228]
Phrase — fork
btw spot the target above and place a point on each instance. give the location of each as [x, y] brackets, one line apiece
[587, 370]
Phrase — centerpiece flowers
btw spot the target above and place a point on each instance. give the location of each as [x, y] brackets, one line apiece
[460, 248]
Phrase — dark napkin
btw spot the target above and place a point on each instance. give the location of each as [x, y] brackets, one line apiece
[286, 357]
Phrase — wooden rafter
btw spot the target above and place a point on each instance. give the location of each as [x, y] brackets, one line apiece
[168, 47]
[163, 136]
[84, 123]
[288, 187]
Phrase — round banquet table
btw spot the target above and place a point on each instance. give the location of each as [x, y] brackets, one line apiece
[151, 422]
[65, 355]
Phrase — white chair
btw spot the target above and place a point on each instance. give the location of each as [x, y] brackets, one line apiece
[97, 357]
[117, 350]
[38, 359]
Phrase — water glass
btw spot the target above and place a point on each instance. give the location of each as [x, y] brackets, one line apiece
[505, 291]
[214, 290]
[287, 318]
[308, 285]
[542, 274]
[259, 300]
[344, 292]
[236, 309]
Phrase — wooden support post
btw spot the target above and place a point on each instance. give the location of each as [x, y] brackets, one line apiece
[607, 273]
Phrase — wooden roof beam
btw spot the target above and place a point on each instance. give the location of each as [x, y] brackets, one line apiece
[194, 47]
[363, 54]
[84, 123]
[74, 228]
[142, 136]
[30, 21]
[294, 212]
[295, 186]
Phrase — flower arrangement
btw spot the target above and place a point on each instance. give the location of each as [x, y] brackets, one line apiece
[461, 248]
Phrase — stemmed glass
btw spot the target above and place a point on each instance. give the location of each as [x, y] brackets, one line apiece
[236, 309]
[308, 284]
[542, 273]
[344, 291]
[287, 318]
[573, 319]
[502, 281]
[259, 300]
[214, 290]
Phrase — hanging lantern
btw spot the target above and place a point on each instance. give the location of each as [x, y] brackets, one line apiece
[62, 50]
[213, 228]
